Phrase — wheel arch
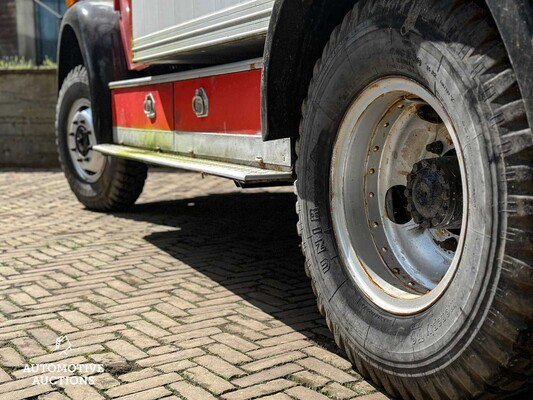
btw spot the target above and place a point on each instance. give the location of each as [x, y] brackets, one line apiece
[90, 36]
[299, 30]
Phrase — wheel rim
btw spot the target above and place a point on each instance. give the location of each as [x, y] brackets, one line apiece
[398, 195]
[81, 138]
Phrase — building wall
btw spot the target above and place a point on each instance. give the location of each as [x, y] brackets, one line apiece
[27, 115]
[8, 28]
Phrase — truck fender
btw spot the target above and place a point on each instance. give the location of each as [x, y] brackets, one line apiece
[299, 31]
[90, 35]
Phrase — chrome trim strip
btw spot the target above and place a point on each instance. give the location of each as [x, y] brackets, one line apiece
[239, 149]
[241, 66]
[239, 173]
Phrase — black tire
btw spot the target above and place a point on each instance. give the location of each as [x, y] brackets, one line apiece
[120, 182]
[484, 345]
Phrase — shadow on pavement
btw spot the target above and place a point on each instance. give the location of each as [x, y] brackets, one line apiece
[246, 242]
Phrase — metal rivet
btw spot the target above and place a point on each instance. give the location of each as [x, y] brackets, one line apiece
[371, 195]
[376, 148]
[411, 283]
[400, 106]
[396, 271]
[371, 171]
[375, 225]
[384, 249]
[386, 125]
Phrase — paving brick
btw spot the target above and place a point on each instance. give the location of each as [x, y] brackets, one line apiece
[82, 392]
[75, 317]
[328, 356]
[105, 381]
[10, 358]
[272, 361]
[143, 384]
[267, 375]
[28, 346]
[208, 380]
[338, 391]
[166, 358]
[311, 379]
[4, 376]
[327, 370]
[148, 329]
[228, 354]
[176, 366]
[259, 390]
[159, 319]
[126, 350]
[139, 339]
[218, 366]
[303, 393]
[235, 342]
[280, 349]
[150, 394]
[191, 392]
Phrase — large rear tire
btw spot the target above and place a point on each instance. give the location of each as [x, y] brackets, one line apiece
[415, 200]
[100, 183]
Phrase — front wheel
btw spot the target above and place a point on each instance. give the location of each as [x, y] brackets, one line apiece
[414, 194]
[100, 183]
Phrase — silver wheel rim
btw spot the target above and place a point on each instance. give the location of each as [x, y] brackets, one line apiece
[404, 267]
[81, 138]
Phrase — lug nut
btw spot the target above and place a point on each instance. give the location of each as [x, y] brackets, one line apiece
[435, 147]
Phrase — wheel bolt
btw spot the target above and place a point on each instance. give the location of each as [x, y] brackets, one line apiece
[396, 271]
[376, 149]
[371, 195]
[375, 224]
[371, 171]
[384, 249]
[435, 147]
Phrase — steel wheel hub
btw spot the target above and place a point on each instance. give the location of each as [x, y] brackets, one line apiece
[434, 193]
[88, 164]
[398, 199]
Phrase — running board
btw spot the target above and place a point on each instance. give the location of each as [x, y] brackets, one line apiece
[241, 173]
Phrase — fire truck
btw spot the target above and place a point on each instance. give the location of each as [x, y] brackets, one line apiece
[405, 127]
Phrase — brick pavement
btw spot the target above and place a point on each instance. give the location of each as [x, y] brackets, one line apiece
[197, 293]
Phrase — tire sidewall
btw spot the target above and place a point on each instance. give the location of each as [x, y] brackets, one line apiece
[435, 337]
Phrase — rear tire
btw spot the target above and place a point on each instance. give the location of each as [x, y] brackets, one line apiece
[462, 330]
[99, 182]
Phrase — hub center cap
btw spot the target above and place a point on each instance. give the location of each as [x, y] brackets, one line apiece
[434, 193]
[83, 143]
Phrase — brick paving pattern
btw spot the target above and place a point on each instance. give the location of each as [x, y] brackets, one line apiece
[198, 292]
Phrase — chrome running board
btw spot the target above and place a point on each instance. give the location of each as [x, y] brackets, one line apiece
[240, 173]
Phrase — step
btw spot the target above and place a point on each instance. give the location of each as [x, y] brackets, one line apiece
[241, 173]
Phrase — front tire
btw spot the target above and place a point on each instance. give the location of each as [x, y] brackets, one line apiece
[99, 182]
[414, 200]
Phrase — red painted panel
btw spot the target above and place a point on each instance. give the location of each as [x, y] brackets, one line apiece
[234, 104]
[128, 107]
